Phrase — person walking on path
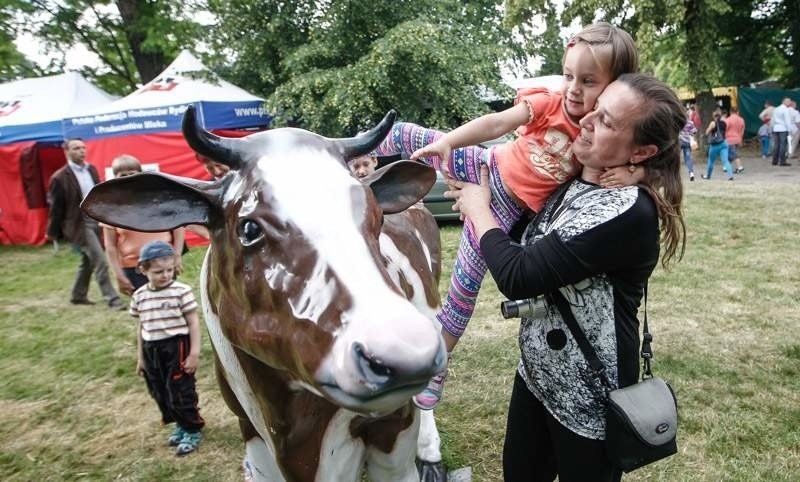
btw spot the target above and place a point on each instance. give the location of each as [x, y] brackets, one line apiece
[734, 134]
[685, 137]
[717, 146]
[68, 186]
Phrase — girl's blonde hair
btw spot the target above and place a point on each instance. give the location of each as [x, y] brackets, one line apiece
[623, 57]
[125, 163]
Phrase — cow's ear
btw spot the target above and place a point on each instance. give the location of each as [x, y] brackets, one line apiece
[152, 202]
[400, 184]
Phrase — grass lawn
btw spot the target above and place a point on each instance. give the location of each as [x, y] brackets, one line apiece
[726, 323]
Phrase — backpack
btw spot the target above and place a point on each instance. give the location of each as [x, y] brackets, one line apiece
[716, 136]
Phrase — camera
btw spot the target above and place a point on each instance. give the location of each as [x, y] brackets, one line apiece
[527, 308]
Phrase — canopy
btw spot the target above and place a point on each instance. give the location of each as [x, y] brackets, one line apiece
[32, 109]
[158, 106]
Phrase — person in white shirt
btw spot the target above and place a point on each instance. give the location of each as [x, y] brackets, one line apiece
[781, 127]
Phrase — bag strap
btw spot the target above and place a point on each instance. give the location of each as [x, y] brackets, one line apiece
[647, 339]
[597, 367]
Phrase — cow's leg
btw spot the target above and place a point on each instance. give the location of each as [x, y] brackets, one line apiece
[429, 454]
[397, 465]
[256, 452]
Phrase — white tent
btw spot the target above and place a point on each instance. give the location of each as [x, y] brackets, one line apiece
[32, 109]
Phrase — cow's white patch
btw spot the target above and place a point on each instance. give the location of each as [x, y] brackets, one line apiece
[425, 248]
[400, 264]
[341, 456]
[428, 445]
[261, 456]
[398, 465]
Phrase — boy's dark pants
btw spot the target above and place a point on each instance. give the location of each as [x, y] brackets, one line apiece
[171, 387]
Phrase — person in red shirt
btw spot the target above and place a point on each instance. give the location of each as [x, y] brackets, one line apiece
[695, 117]
[734, 134]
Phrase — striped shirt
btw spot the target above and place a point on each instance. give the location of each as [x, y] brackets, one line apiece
[160, 312]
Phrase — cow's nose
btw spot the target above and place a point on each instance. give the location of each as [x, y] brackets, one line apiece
[376, 374]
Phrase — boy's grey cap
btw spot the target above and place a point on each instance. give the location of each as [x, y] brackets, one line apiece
[155, 249]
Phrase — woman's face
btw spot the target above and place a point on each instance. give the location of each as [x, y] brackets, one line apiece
[606, 136]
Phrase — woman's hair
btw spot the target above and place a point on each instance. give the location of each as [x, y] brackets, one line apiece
[661, 118]
[622, 56]
[125, 163]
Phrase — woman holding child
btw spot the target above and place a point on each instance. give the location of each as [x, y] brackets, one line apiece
[597, 246]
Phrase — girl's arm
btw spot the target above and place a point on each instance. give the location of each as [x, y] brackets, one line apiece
[710, 127]
[630, 239]
[178, 236]
[112, 254]
[191, 362]
[482, 129]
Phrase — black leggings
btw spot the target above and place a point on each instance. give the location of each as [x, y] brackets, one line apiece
[538, 447]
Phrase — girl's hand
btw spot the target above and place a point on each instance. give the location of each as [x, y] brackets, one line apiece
[440, 149]
[178, 265]
[622, 176]
[140, 367]
[190, 363]
[125, 285]
[472, 200]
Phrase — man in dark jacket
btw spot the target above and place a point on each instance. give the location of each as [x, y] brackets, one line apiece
[68, 186]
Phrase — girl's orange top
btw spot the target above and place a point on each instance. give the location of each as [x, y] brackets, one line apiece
[540, 159]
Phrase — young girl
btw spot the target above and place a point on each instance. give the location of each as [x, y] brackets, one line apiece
[523, 173]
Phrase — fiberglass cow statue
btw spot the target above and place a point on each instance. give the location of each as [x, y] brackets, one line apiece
[317, 297]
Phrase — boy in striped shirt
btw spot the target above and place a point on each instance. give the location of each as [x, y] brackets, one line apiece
[168, 344]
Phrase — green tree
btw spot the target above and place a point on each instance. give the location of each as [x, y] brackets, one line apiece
[13, 64]
[337, 67]
[134, 40]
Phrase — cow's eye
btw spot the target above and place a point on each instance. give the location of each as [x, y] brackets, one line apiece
[250, 232]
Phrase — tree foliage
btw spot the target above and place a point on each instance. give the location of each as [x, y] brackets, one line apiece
[134, 40]
[337, 67]
[697, 44]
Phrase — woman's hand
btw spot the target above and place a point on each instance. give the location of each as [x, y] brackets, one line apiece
[440, 149]
[140, 367]
[472, 200]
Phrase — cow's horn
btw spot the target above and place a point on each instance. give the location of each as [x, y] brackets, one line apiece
[218, 149]
[365, 142]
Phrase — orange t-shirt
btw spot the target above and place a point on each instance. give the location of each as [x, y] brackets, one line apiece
[540, 159]
[129, 243]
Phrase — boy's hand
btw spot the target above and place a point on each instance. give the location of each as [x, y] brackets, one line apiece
[140, 367]
[622, 176]
[440, 149]
[191, 362]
